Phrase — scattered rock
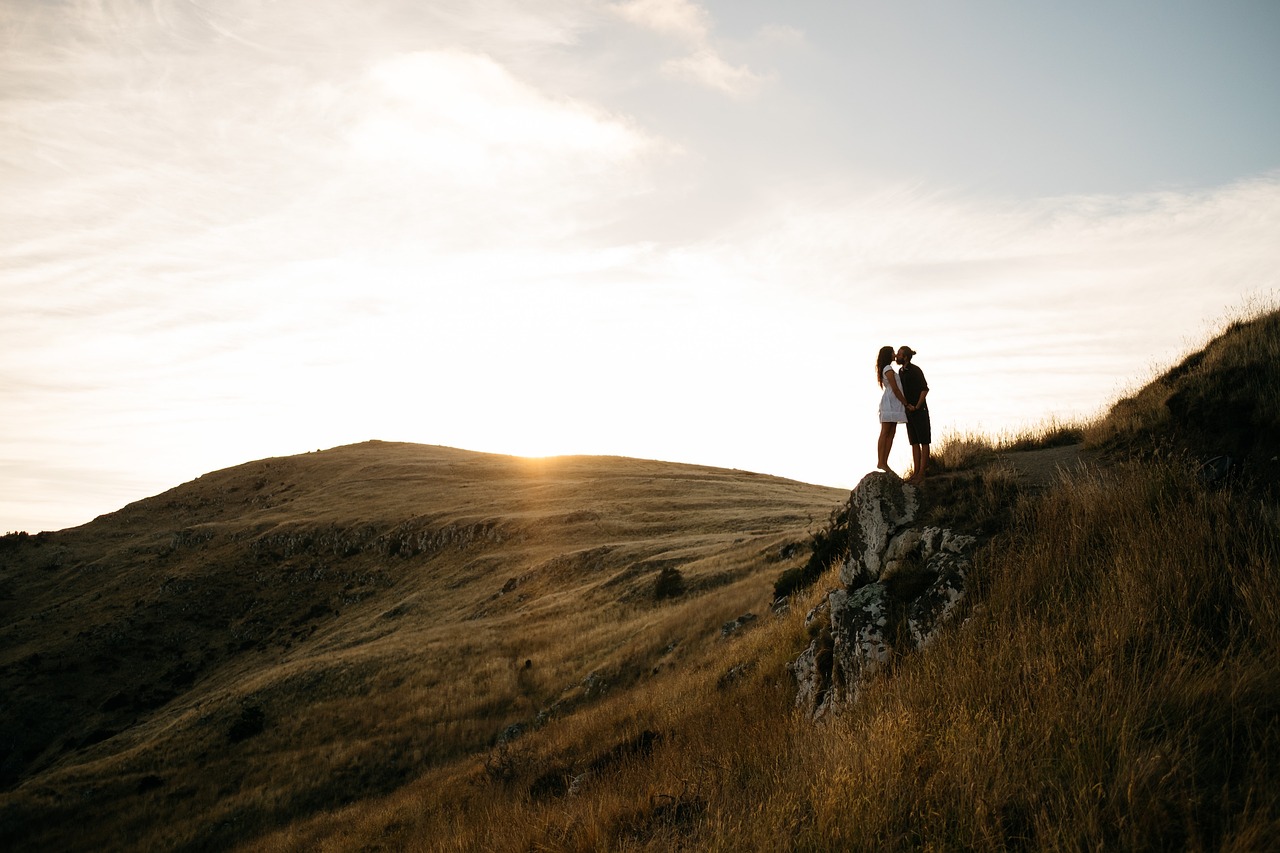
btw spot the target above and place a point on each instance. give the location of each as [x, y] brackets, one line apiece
[736, 624]
[733, 675]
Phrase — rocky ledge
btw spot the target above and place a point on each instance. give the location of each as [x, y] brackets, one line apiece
[900, 585]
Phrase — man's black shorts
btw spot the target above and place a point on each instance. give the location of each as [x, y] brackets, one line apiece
[918, 428]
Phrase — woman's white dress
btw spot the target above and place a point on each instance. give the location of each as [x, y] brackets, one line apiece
[891, 408]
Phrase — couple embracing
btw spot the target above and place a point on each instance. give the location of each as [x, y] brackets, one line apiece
[903, 403]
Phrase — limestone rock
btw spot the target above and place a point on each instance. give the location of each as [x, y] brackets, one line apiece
[936, 539]
[810, 685]
[882, 505]
[902, 550]
[935, 606]
[735, 625]
[859, 620]
[856, 627]
[819, 610]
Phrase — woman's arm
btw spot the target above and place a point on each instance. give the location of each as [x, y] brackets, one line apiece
[892, 379]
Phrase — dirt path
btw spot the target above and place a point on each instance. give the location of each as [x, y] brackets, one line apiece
[1039, 468]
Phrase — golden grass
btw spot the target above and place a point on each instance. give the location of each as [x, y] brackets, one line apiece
[1116, 686]
[1216, 398]
[366, 667]
[960, 450]
[1118, 690]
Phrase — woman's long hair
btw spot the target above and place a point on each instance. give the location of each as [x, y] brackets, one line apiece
[885, 357]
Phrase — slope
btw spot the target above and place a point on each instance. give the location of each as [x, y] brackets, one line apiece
[297, 633]
[1115, 684]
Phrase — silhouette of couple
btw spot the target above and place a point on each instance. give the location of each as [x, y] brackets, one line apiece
[903, 403]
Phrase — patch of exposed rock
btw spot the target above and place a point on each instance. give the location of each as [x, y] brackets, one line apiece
[901, 585]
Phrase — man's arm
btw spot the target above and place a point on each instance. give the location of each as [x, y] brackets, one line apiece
[924, 387]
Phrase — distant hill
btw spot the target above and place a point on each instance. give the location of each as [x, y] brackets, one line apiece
[295, 633]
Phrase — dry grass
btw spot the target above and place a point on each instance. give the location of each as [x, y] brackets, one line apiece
[1116, 686]
[290, 636]
[1119, 690]
[1220, 399]
[959, 451]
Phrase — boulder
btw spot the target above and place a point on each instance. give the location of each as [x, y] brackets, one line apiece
[811, 687]
[859, 634]
[938, 539]
[735, 625]
[819, 611]
[937, 604]
[902, 551]
[901, 585]
[882, 505]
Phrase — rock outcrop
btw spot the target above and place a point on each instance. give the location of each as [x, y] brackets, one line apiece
[901, 584]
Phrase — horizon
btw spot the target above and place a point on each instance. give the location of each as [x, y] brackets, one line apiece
[656, 229]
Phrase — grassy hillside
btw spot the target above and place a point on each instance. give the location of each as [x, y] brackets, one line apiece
[332, 651]
[295, 634]
[1220, 401]
[1116, 685]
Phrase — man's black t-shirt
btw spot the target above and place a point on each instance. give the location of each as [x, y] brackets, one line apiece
[913, 382]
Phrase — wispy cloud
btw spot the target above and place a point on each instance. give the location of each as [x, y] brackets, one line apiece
[1102, 288]
[691, 25]
[707, 67]
[679, 18]
[463, 117]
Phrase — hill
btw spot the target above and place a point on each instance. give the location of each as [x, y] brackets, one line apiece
[294, 634]
[408, 648]
[1222, 401]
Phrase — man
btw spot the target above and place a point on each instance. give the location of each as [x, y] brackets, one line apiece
[915, 388]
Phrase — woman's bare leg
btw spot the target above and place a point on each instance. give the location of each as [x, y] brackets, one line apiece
[885, 444]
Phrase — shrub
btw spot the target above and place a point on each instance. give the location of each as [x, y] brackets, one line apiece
[669, 583]
[251, 722]
[792, 580]
[827, 546]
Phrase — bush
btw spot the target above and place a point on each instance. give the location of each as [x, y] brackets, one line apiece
[792, 580]
[828, 546]
[669, 583]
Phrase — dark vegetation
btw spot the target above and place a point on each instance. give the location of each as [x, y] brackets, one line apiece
[1218, 404]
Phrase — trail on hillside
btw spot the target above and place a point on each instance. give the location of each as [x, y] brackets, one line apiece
[1040, 468]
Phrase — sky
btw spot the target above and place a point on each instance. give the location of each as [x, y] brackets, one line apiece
[665, 229]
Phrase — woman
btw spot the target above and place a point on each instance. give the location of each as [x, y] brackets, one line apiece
[893, 405]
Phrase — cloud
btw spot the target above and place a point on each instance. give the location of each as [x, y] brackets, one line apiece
[1060, 302]
[691, 24]
[707, 67]
[464, 117]
[298, 225]
[678, 18]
